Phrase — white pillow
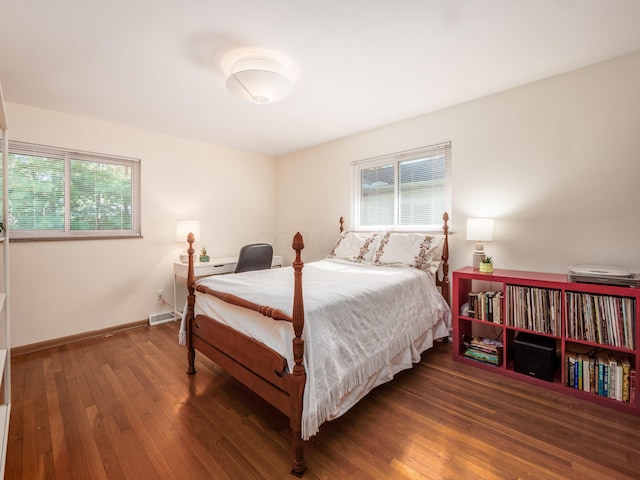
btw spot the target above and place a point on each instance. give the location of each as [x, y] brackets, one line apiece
[414, 249]
[433, 255]
[354, 246]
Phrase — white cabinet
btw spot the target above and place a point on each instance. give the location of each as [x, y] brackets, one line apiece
[5, 345]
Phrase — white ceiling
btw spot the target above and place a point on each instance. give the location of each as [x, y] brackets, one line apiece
[155, 64]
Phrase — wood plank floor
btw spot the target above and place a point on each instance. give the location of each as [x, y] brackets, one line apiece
[122, 407]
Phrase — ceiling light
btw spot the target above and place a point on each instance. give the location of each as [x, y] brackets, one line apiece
[259, 79]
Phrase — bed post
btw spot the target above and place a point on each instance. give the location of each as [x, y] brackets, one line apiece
[444, 285]
[299, 376]
[191, 300]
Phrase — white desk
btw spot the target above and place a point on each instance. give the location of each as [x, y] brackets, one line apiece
[215, 266]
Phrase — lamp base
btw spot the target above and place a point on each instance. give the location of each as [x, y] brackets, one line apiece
[477, 259]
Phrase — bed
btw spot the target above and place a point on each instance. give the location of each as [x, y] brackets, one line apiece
[314, 360]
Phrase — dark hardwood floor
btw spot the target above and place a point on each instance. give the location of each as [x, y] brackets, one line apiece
[122, 407]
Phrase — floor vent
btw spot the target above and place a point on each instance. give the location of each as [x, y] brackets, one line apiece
[158, 318]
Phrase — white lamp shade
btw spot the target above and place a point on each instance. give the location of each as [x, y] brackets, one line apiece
[185, 227]
[259, 80]
[480, 229]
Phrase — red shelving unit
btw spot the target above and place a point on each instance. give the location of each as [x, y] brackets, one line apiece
[535, 317]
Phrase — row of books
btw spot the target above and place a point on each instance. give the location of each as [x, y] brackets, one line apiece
[603, 374]
[533, 308]
[484, 350]
[486, 306]
[601, 319]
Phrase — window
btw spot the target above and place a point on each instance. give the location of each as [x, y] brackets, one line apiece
[408, 190]
[56, 193]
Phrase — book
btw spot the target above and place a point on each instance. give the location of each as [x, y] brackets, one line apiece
[485, 306]
[481, 356]
[619, 385]
[484, 350]
[486, 343]
[489, 305]
[473, 304]
[579, 372]
[593, 374]
[497, 307]
[586, 373]
[605, 377]
[601, 377]
[626, 368]
[632, 386]
[571, 369]
[480, 309]
[612, 376]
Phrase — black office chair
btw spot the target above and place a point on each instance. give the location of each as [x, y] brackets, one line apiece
[256, 256]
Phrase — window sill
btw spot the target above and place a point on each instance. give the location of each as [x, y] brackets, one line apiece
[63, 239]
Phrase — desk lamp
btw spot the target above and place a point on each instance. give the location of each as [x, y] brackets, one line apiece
[479, 230]
[183, 229]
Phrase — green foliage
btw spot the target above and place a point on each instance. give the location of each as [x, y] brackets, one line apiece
[487, 260]
[36, 193]
[99, 194]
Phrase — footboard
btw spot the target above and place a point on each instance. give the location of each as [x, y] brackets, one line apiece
[257, 366]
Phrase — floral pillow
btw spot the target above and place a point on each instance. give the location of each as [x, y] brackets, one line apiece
[414, 249]
[354, 246]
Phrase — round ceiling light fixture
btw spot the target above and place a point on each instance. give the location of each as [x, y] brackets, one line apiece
[259, 79]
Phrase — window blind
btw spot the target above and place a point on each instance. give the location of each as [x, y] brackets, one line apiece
[404, 190]
[57, 193]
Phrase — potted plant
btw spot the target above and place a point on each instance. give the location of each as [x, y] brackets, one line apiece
[486, 265]
[203, 254]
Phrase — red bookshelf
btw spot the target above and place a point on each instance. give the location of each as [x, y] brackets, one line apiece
[585, 321]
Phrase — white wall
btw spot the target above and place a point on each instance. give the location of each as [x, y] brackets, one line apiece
[63, 288]
[556, 163]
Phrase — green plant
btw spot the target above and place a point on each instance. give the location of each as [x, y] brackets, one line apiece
[487, 260]
[203, 251]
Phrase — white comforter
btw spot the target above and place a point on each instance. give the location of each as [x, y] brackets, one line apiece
[358, 320]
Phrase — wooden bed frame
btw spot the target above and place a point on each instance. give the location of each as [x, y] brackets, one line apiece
[257, 366]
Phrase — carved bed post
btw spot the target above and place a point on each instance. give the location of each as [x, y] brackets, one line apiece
[299, 374]
[341, 224]
[445, 260]
[191, 300]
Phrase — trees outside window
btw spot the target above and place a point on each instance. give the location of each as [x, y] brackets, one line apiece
[56, 193]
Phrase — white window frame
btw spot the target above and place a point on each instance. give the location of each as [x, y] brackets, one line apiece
[396, 159]
[66, 155]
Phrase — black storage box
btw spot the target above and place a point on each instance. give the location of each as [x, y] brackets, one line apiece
[535, 355]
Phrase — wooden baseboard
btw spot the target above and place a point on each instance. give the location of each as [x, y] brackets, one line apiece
[80, 337]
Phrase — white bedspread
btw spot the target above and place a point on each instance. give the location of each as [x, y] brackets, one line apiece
[358, 320]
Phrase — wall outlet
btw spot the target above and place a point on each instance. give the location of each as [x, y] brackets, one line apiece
[160, 295]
